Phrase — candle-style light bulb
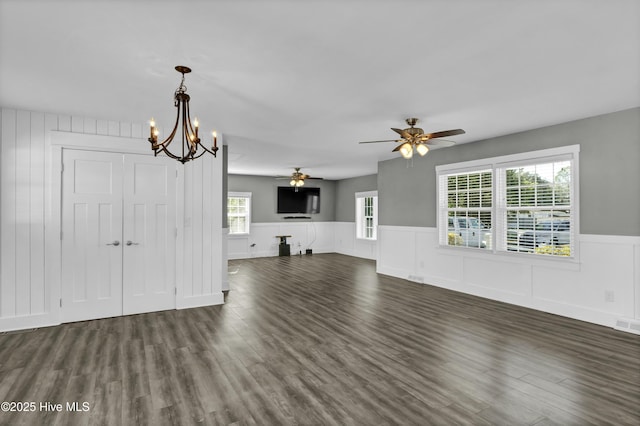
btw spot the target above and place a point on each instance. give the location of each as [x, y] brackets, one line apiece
[195, 125]
[215, 139]
[152, 126]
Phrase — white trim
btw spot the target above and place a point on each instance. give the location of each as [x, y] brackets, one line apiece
[366, 194]
[360, 216]
[506, 159]
[498, 164]
[100, 142]
[57, 142]
[636, 279]
[609, 239]
[247, 216]
[53, 228]
[199, 301]
[47, 319]
[225, 263]
[520, 258]
[239, 194]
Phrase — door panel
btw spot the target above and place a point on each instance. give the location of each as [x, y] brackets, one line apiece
[91, 223]
[149, 234]
[118, 224]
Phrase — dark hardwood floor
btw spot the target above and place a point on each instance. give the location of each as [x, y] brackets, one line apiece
[323, 339]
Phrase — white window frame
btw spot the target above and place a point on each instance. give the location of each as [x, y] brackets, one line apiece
[498, 165]
[247, 215]
[361, 217]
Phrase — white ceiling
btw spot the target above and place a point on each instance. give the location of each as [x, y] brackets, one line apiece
[299, 83]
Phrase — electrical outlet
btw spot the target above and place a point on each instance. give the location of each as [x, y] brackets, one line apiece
[609, 296]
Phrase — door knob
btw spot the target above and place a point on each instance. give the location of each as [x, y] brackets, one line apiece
[131, 243]
[115, 243]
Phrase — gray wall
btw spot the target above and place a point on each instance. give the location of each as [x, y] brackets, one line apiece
[609, 155]
[264, 194]
[345, 199]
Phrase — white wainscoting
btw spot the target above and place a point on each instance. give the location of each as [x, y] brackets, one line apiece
[262, 241]
[601, 288]
[345, 242]
[321, 237]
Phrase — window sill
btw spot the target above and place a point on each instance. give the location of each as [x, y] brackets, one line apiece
[238, 235]
[566, 263]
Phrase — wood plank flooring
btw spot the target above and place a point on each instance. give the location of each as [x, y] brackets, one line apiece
[324, 340]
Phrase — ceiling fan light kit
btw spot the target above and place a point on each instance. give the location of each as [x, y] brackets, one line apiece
[191, 148]
[296, 182]
[297, 178]
[422, 149]
[406, 150]
[415, 139]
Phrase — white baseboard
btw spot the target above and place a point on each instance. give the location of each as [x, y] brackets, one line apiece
[199, 301]
[27, 322]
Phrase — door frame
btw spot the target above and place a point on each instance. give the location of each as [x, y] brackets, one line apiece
[58, 142]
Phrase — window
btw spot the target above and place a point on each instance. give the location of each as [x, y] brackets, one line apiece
[469, 201]
[537, 207]
[239, 212]
[367, 215]
[524, 203]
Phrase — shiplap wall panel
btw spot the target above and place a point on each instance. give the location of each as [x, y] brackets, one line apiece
[64, 123]
[125, 130]
[90, 126]
[77, 125]
[187, 276]
[114, 128]
[8, 215]
[24, 178]
[26, 168]
[50, 123]
[37, 209]
[23, 213]
[207, 226]
[196, 223]
[102, 127]
[136, 130]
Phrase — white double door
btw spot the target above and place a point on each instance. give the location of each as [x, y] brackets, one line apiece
[118, 234]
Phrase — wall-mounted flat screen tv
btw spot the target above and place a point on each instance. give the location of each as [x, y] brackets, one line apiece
[306, 200]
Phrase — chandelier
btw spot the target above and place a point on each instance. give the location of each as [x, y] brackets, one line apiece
[190, 148]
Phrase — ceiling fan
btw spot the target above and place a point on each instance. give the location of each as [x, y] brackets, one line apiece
[414, 138]
[297, 178]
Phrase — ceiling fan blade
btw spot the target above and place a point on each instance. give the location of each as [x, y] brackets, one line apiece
[445, 133]
[313, 178]
[402, 132]
[387, 140]
[440, 143]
